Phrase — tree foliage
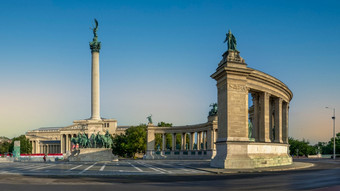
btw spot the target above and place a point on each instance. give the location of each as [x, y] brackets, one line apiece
[25, 145]
[327, 147]
[134, 141]
[4, 147]
[158, 137]
[303, 148]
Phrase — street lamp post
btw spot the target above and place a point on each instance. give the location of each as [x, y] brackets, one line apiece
[333, 131]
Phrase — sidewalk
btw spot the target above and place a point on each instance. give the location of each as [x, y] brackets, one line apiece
[9, 159]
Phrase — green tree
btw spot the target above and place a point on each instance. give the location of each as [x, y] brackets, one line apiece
[25, 145]
[327, 147]
[301, 148]
[158, 137]
[120, 145]
[134, 141]
[4, 147]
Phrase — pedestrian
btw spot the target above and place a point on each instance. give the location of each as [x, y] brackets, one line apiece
[44, 158]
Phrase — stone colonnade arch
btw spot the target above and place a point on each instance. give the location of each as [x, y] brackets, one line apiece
[267, 145]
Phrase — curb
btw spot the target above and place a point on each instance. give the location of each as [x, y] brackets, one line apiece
[265, 169]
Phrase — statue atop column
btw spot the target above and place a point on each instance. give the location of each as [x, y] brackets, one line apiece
[232, 54]
[230, 38]
[213, 110]
[149, 119]
[95, 45]
[95, 28]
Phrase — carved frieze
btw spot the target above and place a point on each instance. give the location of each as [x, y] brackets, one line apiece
[237, 87]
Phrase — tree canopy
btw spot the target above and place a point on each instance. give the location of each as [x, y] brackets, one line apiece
[134, 141]
[25, 145]
[303, 148]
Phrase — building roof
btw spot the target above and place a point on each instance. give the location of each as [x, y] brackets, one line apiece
[46, 129]
[123, 127]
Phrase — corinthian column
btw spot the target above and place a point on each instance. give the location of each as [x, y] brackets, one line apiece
[95, 97]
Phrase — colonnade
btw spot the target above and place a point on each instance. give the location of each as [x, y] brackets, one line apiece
[43, 147]
[196, 141]
[269, 118]
[202, 140]
[65, 142]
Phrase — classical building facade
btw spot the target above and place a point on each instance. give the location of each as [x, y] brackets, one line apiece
[58, 139]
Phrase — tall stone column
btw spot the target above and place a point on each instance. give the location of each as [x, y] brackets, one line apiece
[264, 119]
[199, 140]
[173, 141]
[278, 120]
[183, 136]
[150, 145]
[192, 140]
[95, 97]
[163, 141]
[210, 139]
[70, 148]
[256, 127]
[285, 112]
[204, 140]
[66, 143]
[62, 142]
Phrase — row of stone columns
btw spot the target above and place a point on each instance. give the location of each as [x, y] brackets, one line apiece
[50, 148]
[35, 147]
[65, 142]
[38, 147]
[263, 120]
[206, 137]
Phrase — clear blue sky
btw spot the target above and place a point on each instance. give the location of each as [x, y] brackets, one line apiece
[157, 57]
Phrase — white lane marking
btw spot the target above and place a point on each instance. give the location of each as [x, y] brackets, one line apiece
[87, 168]
[160, 170]
[75, 167]
[184, 168]
[47, 166]
[102, 168]
[27, 167]
[140, 170]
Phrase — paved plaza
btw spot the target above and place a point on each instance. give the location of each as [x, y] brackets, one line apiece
[124, 167]
[164, 175]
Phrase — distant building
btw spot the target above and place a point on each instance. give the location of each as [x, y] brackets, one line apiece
[58, 139]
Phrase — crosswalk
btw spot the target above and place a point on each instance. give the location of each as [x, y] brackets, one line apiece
[125, 167]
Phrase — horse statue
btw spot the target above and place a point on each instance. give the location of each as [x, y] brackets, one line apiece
[74, 140]
[98, 140]
[85, 140]
[92, 141]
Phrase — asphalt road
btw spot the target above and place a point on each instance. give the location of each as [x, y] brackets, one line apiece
[162, 175]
